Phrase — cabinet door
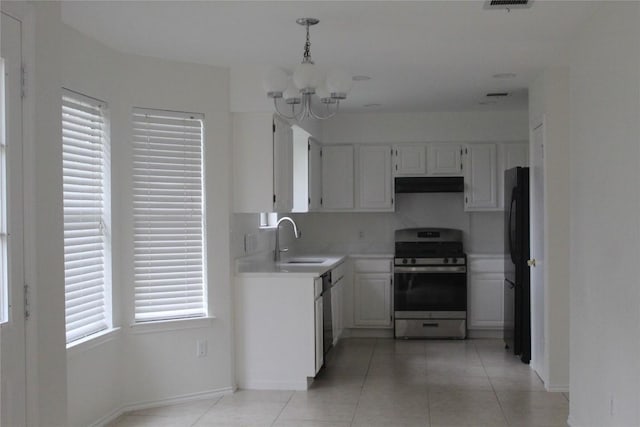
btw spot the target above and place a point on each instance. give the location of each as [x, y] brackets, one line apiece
[486, 303]
[372, 300]
[444, 159]
[374, 177]
[335, 310]
[315, 174]
[515, 155]
[319, 335]
[410, 160]
[481, 190]
[337, 177]
[283, 166]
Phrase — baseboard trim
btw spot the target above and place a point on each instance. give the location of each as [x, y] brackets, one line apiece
[485, 333]
[557, 388]
[184, 398]
[274, 385]
[367, 333]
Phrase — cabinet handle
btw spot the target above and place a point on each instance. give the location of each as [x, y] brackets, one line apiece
[430, 325]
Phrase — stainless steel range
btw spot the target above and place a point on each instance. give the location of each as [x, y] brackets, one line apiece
[430, 284]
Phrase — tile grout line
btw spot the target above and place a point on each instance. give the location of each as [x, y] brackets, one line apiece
[282, 410]
[495, 393]
[366, 374]
[207, 410]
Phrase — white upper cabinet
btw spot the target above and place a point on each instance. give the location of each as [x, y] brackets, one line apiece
[315, 175]
[410, 160]
[510, 155]
[374, 177]
[262, 163]
[481, 184]
[337, 177]
[515, 154]
[444, 159]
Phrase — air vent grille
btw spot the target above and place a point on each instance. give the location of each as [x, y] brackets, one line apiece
[497, 94]
[507, 4]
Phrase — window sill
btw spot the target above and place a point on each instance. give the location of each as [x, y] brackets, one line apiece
[92, 341]
[171, 325]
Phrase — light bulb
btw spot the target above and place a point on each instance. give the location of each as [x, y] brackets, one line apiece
[292, 94]
[323, 93]
[275, 82]
[306, 77]
[339, 83]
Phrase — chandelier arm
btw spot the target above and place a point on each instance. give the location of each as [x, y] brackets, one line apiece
[329, 113]
[281, 114]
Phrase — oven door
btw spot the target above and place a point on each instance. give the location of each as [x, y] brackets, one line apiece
[430, 288]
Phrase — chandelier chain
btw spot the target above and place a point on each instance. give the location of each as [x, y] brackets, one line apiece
[307, 48]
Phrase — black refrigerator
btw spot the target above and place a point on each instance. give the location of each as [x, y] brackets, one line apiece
[517, 285]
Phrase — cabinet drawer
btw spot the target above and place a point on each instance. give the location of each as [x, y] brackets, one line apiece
[338, 273]
[372, 265]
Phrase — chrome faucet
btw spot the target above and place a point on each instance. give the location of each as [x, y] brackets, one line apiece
[276, 254]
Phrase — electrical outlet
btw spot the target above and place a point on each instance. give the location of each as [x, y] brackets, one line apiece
[201, 348]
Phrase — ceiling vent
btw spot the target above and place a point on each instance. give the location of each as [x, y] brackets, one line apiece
[497, 94]
[507, 4]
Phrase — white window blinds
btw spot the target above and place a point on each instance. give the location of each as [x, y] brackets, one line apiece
[83, 158]
[168, 215]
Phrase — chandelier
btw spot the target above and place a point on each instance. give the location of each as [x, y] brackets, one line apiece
[308, 93]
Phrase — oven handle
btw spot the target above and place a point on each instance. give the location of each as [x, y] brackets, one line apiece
[452, 269]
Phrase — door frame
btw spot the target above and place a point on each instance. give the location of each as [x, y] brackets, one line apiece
[24, 12]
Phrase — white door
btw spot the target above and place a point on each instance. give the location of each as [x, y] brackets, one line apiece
[374, 183]
[337, 177]
[283, 166]
[537, 225]
[12, 333]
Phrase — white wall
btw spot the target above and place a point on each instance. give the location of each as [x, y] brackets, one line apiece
[605, 226]
[137, 365]
[549, 97]
[492, 126]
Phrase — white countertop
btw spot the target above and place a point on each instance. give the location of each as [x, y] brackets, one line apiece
[261, 267]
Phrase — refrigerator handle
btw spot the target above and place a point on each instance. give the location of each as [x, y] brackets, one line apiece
[513, 200]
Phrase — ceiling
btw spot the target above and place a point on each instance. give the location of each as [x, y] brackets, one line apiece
[421, 56]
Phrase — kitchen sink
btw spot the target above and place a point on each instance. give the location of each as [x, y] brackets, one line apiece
[303, 261]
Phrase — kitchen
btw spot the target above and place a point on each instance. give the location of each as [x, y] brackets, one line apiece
[563, 59]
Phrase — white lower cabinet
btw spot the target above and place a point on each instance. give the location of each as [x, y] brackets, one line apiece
[278, 322]
[372, 293]
[486, 292]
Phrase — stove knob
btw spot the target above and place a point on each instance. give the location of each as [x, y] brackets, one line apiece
[413, 260]
[454, 260]
[404, 261]
[446, 260]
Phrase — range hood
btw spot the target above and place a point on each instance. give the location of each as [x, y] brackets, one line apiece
[430, 184]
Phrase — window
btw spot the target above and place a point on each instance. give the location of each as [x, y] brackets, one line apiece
[168, 216]
[4, 279]
[86, 223]
[268, 219]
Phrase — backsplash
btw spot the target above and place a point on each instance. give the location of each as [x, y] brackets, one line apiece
[373, 232]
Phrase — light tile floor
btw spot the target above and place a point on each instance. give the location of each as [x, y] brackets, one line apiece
[383, 382]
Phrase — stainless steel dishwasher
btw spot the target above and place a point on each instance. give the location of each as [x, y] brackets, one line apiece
[327, 325]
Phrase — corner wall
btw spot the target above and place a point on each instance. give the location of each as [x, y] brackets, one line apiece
[135, 366]
[605, 226]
